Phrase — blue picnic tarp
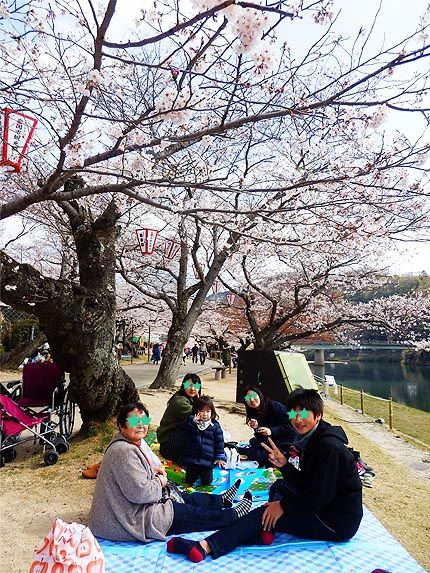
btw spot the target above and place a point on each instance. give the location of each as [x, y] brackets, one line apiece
[373, 547]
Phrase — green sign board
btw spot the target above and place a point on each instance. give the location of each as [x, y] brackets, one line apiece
[295, 370]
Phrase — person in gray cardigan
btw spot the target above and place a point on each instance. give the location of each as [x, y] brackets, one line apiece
[128, 504]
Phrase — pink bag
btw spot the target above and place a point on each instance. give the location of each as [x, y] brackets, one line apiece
[69, 548]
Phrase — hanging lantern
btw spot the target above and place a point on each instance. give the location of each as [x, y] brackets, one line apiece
[147, 239]
[216, 286]
[230, 298]
[171, 248]
[18, 130]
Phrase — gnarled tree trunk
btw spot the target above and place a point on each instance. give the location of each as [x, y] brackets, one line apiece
[79, 318]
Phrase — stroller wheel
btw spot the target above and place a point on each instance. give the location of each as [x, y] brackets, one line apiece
[51, 457]
[61, 445]
[9, 455]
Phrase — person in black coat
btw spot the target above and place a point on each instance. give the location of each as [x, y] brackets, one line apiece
[267, 418]
[319, 496]
[205, 442]
[156, 353]
[195, 353]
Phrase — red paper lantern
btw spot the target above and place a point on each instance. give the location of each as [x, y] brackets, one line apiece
[230, 298]
[18, 130]
[171, 248]
[147, 239]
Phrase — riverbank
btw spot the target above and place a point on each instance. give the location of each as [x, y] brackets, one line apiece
[412, 424]
[406, 384]
[32, 495]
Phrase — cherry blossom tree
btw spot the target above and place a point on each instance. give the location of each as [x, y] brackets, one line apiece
[78, 317]
[181, 282]
[295, 294]
[406, 316]
[202, 114]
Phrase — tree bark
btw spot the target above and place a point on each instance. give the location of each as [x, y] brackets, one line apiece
[183, 320]
[79, 318]
[177, 337]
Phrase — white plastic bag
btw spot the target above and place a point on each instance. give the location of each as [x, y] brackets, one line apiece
[69, 548]
[233, 458]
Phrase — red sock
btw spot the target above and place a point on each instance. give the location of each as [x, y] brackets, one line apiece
[267, 537]
[192, 549]
[197, 554]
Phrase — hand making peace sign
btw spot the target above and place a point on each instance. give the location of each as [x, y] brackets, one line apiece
[276, 457]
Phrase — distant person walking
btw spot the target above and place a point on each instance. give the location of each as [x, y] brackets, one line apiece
[203, 352]
[234, 356]
[225, 354]
[156, 353]
[195, 353]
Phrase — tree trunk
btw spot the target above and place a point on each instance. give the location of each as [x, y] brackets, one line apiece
[79, 319]
[177, 337]
[184, 315]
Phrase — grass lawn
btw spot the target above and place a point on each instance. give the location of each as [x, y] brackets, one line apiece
[412, 423]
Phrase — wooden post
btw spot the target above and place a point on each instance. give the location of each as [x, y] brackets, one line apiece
[362, 401]
[390, 413]
[341, 394]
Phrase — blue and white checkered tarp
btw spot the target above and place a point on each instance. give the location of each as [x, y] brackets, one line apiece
[371, 548]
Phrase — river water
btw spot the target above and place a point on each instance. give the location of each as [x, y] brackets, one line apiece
[406, 384]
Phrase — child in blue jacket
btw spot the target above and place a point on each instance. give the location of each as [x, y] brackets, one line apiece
[205, 444]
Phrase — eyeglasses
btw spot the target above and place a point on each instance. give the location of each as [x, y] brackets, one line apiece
[303, 414]
[195, 385]
[135, 420]
[251, 396]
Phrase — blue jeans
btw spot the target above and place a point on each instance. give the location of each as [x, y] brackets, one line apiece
[200, 512]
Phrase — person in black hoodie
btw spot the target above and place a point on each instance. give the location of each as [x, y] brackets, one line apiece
[267, 418]
[319, 496]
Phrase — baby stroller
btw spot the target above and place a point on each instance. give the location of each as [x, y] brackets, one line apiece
[14, 421]
[41, 403]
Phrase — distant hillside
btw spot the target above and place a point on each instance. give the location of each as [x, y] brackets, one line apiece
[396, 285]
